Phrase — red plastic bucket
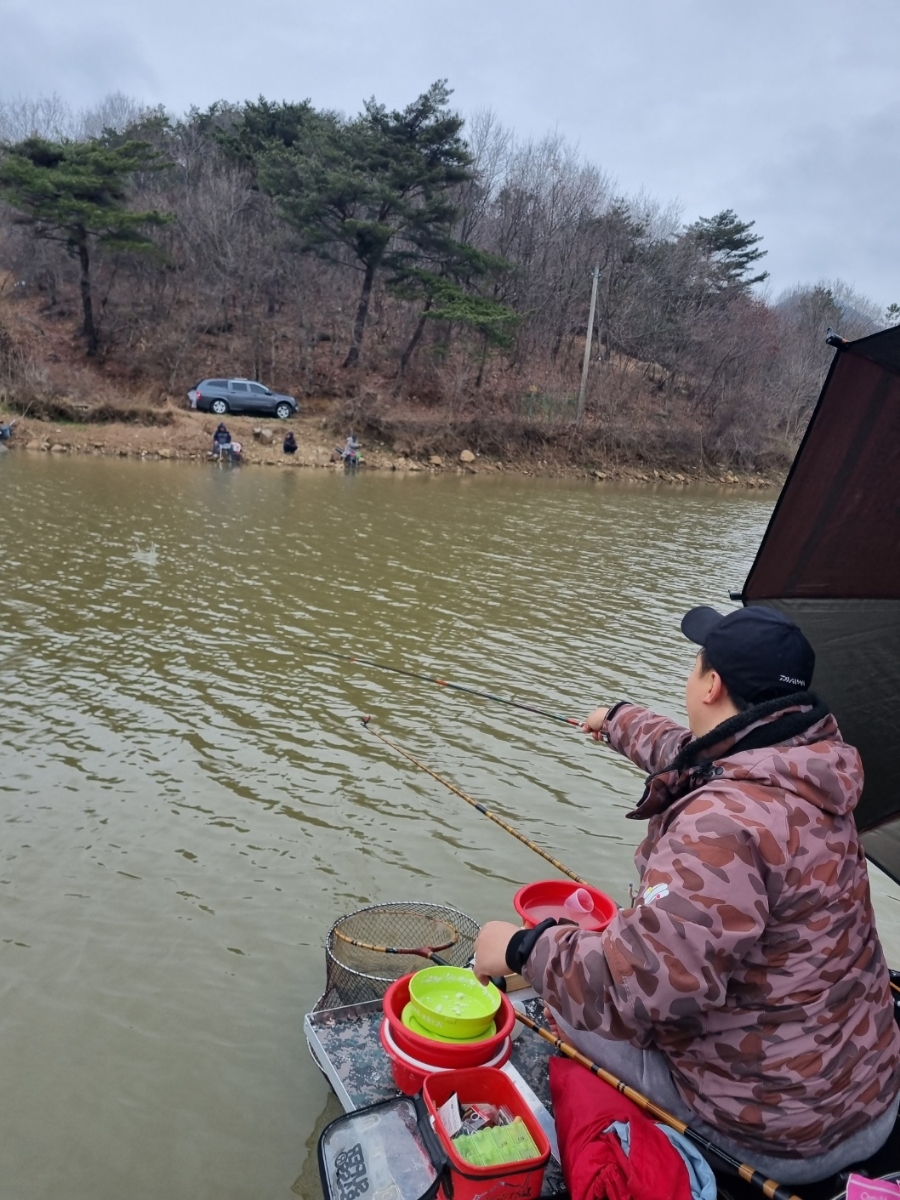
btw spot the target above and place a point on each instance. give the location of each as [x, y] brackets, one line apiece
[487, 1085]
[546, 898]
[443, 1054]
[410, 1074]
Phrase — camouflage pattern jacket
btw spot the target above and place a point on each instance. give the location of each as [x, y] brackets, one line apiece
[750, 958]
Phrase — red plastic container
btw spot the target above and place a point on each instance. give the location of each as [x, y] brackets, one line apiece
[487, 1085]
[410, 1074]
[444, 1054]
[546, 898]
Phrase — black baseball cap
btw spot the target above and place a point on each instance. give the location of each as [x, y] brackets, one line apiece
[759, 653]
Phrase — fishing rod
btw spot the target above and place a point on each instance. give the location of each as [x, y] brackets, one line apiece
[456, 687]
[768, 1187]
[365, 721]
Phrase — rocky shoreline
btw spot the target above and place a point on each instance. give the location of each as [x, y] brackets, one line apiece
[189, 437]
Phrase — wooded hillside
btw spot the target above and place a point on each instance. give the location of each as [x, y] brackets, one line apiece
[430, 275]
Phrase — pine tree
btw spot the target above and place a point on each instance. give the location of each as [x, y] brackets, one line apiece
[76, 193]
[379, 187]
[731, 247]
[263, 125]
[449, 285]
[494, 322]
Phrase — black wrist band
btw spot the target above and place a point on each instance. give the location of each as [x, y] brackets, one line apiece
[522, 942]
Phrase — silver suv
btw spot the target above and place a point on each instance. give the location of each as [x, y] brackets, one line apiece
[241, 395]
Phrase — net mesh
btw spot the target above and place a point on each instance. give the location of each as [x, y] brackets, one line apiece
[357, 973]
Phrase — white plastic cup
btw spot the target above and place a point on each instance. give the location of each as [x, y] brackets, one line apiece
[579, 902]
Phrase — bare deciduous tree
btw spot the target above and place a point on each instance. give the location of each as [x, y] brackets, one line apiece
[687, 353]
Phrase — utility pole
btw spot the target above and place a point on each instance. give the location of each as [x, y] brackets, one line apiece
[579, 414]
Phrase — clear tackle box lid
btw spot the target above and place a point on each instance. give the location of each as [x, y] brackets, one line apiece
[385, 1152]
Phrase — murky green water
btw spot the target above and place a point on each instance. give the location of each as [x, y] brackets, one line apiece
[188, 799]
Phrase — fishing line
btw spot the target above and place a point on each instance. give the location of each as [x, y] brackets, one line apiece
[456, 687]
[554, 862]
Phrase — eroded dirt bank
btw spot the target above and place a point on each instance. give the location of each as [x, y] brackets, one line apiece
[188, 435]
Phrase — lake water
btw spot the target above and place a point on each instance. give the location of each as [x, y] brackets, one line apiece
[188, 799]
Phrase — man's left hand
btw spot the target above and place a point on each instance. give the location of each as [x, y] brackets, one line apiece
[490, 949]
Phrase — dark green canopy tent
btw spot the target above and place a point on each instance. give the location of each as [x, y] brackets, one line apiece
[830, 560]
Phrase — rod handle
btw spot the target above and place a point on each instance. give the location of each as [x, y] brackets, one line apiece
[768, 1187]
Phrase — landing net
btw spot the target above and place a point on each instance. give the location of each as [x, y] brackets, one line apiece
[358, 971]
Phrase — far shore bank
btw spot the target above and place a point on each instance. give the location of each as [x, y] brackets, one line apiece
[189, 437]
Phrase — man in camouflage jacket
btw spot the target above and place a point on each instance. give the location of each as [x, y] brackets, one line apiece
[747, 978]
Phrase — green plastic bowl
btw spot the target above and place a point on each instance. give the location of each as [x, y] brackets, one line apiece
[451, 1001]
[408, 1017]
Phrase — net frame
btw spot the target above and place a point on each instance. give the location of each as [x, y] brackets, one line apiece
[356, 974]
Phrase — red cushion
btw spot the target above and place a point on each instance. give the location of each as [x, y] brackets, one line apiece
[594, 1163]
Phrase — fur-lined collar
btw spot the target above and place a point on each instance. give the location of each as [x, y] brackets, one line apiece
[768, 724]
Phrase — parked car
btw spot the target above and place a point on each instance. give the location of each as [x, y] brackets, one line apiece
[241, 395]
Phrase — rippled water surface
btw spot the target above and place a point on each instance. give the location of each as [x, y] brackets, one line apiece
[188, 799]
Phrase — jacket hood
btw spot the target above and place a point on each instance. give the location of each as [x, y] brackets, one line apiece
[817, 765]
[793, 745]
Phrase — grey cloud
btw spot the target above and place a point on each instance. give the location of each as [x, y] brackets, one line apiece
[50, 48]
[781, 111]
[832, 199]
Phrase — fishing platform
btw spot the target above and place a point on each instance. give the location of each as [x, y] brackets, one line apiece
[345, 1045]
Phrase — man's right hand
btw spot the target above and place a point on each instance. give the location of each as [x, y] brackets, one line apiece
[594, 723]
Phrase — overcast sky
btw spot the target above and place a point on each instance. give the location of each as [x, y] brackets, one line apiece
[787, 111]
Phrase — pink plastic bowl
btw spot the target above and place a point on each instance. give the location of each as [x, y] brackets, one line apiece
[443, 1054]
[546, 898]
